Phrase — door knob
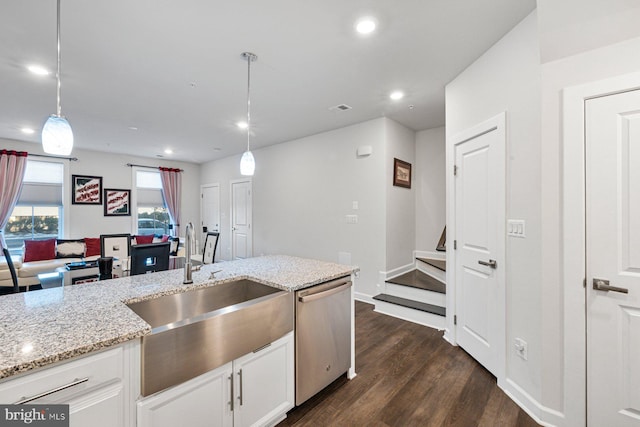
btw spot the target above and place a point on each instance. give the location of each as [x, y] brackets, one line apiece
[492, 263]
[603, 285]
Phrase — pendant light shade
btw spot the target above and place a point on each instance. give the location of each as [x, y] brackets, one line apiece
[57, 136]
[247, 162]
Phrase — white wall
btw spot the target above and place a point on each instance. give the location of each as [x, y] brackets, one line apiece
[89, 221]
[615, 60]
[302, 191]
[429, 172]
[400, 201]
[507, 78]
[570, 27]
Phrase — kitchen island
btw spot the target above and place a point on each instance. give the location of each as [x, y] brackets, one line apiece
[45, 327]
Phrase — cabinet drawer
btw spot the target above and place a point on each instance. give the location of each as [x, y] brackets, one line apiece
[66, 378]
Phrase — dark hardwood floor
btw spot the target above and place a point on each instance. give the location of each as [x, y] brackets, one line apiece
[408, 376]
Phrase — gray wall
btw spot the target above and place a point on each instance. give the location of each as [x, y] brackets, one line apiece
[400, 201]
[430, 188]
[507, 78]
[302, 191]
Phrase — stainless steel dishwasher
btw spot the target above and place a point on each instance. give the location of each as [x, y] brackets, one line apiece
[323, 336]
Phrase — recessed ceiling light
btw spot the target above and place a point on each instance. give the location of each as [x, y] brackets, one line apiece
[366, 26]
[37, 69]
[242, 125]
[396, 95]
[168, 151]
[132, 128]
[217, 149]
[28, 131]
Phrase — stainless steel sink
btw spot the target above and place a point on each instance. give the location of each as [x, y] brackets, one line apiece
[200, 330]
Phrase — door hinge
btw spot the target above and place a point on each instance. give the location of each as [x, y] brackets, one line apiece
[584, 282]
[455, 245]
[455, 170]
[455, 319]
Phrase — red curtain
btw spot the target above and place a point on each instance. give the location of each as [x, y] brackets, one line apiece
[172, 193]
[12, 167]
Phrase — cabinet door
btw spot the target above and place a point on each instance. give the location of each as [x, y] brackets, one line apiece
[264, 389]
[202, 401]
[101, 407]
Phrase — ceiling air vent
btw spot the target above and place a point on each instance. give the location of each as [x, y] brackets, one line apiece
[341, 107]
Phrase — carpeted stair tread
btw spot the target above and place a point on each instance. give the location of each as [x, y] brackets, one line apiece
[420, 280]
[416, 305]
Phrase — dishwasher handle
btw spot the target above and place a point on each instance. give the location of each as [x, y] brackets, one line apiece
[326, 293]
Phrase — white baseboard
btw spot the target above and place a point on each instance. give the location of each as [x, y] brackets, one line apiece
[416, 316]
[447, 337]
[386, 275]
[358, 296]
[541, 414]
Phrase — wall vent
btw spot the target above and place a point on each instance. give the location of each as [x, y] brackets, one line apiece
[341, 107]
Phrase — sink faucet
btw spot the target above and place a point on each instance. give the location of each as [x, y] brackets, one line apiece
[189, 238]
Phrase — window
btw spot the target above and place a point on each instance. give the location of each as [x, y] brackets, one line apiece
[38, 213]
[153, 216]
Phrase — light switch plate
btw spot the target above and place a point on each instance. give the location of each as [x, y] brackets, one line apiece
[352, 219]
[516, 228]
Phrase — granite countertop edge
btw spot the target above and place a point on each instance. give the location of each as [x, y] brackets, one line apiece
[279, 271]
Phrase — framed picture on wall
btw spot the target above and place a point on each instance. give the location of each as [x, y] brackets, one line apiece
[117, 202]
[86, 190]
[401, 173]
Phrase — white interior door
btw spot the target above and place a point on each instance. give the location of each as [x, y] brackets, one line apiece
[479, 242]
[241, 234]
[613, 259]
[209, 210]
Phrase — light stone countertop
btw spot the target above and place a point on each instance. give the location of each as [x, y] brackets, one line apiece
[41, 327]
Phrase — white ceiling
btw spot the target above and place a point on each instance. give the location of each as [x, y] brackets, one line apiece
[172, 68]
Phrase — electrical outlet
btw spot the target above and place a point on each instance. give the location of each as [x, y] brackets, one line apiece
[521, 348]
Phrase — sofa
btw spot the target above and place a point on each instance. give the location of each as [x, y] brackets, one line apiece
[44, 256]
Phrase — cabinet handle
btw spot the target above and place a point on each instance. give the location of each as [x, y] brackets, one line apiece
[232, 396]
[240, 376]
[55, 390]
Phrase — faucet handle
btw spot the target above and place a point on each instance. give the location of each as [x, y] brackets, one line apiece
[213, 274]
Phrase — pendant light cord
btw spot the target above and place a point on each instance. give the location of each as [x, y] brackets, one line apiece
[248, 100]
[59, 109]
[250, 57]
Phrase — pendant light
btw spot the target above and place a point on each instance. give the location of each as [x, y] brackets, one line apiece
[57, 136]
[247, 162]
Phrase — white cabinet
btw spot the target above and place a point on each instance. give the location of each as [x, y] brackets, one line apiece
[202, 401]
[97, 387]
[254, 390]
[264, 384]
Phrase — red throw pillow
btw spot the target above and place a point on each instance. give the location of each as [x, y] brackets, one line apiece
[39, 250]
[165, 238]
[144, 239]
[93, 246]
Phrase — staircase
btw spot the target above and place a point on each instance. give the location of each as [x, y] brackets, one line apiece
[418, 296]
